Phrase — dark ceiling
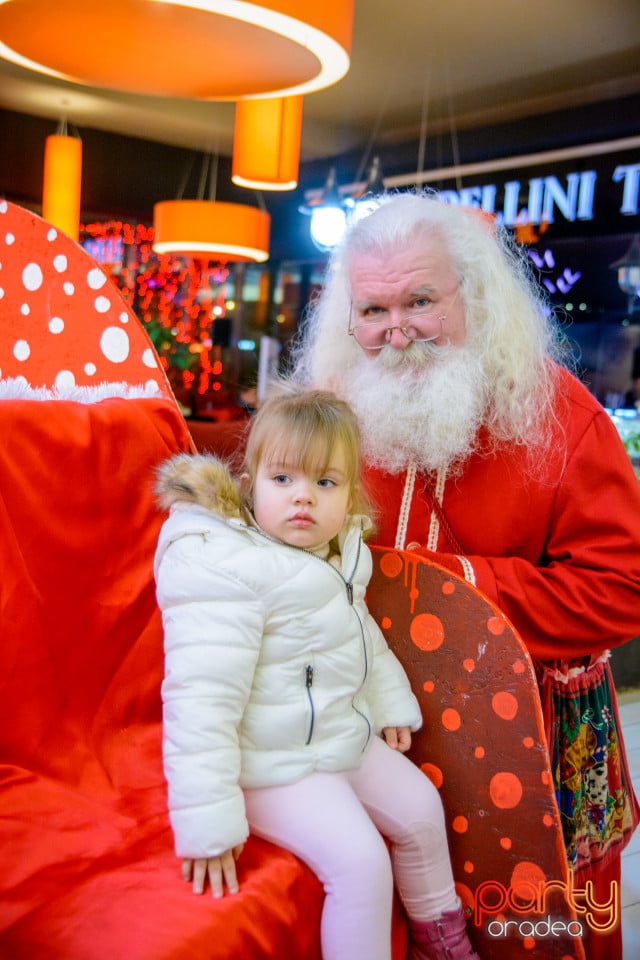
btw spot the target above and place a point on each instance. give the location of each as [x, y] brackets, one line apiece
[466, 81]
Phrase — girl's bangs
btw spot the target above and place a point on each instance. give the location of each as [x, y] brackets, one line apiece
[299, 446]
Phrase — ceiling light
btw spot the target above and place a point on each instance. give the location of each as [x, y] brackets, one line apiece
[328, 212]
[266, 143]
[212, 230]
[196, 49]
[62, 181]
[327, 226]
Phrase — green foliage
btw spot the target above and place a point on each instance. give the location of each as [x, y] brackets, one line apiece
[177, 353]
[632, 444]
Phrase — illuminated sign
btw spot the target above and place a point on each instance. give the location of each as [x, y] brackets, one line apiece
[544, 197]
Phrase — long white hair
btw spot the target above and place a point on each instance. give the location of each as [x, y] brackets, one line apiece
[510, 333]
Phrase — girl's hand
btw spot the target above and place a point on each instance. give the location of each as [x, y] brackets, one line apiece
[398, 738]
[217, 869]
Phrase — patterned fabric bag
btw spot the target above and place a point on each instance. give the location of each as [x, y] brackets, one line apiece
[598, 807]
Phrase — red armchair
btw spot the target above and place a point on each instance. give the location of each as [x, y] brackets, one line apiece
[88, 865]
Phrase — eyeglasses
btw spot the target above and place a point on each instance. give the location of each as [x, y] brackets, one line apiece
[375, 334]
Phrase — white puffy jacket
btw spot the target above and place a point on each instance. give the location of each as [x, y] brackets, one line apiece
[273, 665]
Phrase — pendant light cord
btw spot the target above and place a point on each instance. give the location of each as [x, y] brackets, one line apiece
[424, 114]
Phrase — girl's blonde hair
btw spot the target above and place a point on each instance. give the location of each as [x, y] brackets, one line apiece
[303, 429]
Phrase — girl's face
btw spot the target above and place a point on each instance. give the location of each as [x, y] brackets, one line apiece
[300, 508]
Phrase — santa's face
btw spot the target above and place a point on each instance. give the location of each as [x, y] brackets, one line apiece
[421, 396]
[406, 296]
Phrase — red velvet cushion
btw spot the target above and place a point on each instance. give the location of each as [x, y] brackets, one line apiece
[88, 863]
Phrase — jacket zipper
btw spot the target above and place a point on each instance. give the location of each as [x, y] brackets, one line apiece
[308, 682]
[349, 582]
[309, 669]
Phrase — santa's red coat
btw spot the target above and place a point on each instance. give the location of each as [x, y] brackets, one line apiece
[557, 549]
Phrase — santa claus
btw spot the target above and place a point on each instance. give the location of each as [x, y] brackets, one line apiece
[488, 456]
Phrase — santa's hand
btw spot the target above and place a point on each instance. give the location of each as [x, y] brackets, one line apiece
[398, 738]
[221, 872]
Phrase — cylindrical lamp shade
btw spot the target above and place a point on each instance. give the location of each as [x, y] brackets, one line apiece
[62, 182]
[219, 49]
[266, 143]
[207, 228]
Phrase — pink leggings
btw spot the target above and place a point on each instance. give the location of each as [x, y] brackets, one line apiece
[331, 821]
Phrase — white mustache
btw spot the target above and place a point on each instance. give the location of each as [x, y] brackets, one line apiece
[415, 356]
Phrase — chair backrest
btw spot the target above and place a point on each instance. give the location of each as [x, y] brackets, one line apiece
[483, 746]
[64, 323]
[78, 523]
[81, 653]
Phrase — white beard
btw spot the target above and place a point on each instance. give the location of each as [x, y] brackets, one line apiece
[425, 404]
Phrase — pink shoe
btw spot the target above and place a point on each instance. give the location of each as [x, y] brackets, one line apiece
[441, 939]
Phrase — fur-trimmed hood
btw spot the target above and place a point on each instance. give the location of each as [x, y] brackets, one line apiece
[203, 480]
[207, 482]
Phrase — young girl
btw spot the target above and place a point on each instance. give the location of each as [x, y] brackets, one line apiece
[285, 712]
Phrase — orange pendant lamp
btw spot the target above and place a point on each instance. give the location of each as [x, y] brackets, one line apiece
[210, 229]
[266, 143]
[195, 49]
[62, 182]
